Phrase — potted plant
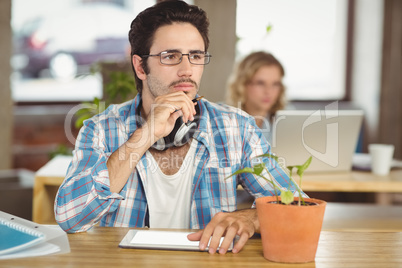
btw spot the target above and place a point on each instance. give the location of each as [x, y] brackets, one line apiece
[118, 86]
[290, 226]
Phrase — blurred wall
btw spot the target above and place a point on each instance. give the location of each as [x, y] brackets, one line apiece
[222, 36]
[6, 106]
[366, 62]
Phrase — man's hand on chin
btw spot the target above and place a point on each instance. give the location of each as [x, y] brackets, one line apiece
[243, 223]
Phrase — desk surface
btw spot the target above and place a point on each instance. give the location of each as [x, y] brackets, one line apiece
[354, 181]
[99, 248]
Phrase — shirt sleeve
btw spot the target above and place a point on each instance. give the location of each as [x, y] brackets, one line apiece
[85, 196]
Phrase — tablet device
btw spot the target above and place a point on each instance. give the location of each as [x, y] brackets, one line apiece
[158, 239]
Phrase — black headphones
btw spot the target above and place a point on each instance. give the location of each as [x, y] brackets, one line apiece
[181, 133]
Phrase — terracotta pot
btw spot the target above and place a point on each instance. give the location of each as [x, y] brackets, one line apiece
[290, 233]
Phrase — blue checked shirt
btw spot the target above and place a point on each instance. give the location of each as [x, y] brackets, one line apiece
[227, 139]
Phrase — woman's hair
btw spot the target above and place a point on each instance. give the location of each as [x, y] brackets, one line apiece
[243, 74]
[144, 26]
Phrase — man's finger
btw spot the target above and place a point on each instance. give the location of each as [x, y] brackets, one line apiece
[195, 236]
[206, 236]
[228, 239]
[216, 239]
[241, 242]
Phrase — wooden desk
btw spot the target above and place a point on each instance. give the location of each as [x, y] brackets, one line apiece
[99, 248]
[362, 217]
[355, 181]
[47, 181]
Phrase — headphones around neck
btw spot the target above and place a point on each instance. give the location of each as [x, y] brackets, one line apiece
[181, 133]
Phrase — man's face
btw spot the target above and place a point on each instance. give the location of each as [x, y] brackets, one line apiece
[186, 77]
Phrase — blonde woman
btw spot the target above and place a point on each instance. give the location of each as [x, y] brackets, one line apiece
[256, 87]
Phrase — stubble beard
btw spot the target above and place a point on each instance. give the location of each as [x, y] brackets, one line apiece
[158, 88]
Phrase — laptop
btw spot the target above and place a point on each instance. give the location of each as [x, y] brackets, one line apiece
[329, 136]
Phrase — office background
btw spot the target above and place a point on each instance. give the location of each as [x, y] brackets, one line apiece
[32, 130]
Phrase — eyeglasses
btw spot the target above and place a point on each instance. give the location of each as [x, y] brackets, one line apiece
[175, 57]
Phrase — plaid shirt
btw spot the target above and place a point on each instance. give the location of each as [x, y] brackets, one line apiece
[227, 140]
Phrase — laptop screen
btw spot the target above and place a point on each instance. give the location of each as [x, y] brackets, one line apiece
[330, 136]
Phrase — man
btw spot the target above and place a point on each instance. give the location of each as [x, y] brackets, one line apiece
[118, 177]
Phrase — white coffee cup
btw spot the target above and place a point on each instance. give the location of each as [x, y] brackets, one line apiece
[381, 158]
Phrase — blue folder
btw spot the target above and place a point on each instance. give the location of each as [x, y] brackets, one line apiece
[15, 236]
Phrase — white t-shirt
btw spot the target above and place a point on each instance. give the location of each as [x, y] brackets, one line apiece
[169, 196]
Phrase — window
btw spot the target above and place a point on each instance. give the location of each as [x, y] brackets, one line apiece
[57, 43]
[308, 37]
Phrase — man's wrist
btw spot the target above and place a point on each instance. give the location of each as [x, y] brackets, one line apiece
[255, 220]
[141, 138]
[251, 215]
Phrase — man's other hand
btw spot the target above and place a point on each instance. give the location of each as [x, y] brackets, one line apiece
[243, 223]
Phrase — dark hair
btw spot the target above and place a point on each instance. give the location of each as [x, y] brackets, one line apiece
[144, 26]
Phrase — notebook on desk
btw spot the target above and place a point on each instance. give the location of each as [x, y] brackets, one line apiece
[16, 237]
[330, 136]
[20, 238]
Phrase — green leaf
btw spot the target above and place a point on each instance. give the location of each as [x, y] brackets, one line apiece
[268, 155]
[82, 111]
[121, 84]
[287, 197]
[302, 168]
[244, 170]
[258, 168]
[268, 28]
[80, 120]
[96, 101]
[290, 168]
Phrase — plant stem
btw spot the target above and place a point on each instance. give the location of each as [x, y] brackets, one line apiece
[273, 186]
[299, 191]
